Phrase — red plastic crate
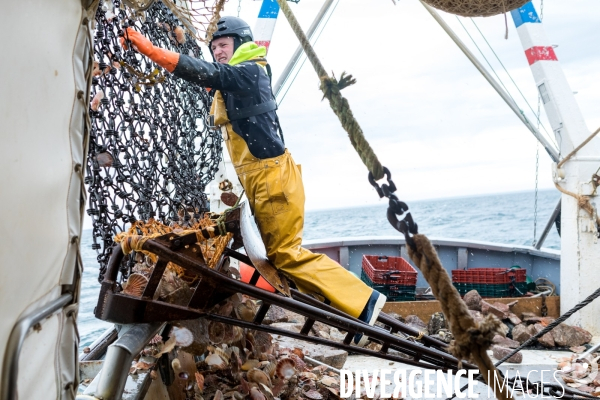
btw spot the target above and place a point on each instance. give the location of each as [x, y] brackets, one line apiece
[383, 270]
[489, 275]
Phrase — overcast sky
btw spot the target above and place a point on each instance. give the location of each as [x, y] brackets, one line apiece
[430, 116]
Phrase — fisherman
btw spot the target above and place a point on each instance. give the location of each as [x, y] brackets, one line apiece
[244, 106]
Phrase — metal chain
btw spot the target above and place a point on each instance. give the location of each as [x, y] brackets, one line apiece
[239, 8]
[150, 154]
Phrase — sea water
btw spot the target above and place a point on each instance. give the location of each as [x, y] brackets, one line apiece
[502, 218]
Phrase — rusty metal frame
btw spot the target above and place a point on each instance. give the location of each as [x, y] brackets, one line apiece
[215, 286]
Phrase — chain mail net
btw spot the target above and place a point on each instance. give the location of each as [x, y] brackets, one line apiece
[151, 154]
[476, 8]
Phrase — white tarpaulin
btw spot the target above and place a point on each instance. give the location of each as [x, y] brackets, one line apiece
[43, 101]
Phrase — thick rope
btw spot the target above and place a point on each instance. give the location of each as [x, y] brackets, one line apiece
[331, 87]
[471, 340]
[212, 25]
[582, 201]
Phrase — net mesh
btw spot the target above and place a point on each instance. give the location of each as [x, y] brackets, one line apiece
[199, 16]
[476, 8]
[151, 153]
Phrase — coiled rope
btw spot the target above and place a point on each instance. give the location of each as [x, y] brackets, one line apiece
[471, 339]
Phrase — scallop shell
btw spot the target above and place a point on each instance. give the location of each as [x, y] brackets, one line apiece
[135, 285]
[313, 395]
[95, 104]
[309, 376]
[297, 351]
[329, 381]
[263, 341]
[96, 69]
[286, 368]
[104, 160]
[200, 381]
[179, 34]
[228, 334]
[258, 376]
[255, 394]
[218, 393]
[220, 352]
[300, 365]
[226, 309]
[270, 369]
[265, 388]
[246, 311]
[216, 332]
[216, 362]
[238, 334]
[249, 364]
[183, 336]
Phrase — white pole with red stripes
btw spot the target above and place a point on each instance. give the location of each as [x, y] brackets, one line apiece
[265, 25]
[580, 250]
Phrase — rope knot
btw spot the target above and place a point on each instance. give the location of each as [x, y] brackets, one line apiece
[331, 86]
[583, 201]
[476, 338]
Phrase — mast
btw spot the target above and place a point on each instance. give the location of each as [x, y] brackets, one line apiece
[580, 250]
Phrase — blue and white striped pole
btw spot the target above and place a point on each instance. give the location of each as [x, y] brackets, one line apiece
[559, 102]
[265, 25]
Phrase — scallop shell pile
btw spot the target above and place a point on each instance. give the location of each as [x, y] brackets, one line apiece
[213, 360]
[583, 375]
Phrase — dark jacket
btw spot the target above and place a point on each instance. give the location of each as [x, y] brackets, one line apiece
[244, 85]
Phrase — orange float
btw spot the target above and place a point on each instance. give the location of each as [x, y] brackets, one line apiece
[246, 271]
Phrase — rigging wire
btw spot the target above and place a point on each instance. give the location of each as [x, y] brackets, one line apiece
[304, 58]
[501, 82]
[510, 76]
[537, 173]
[537, 155]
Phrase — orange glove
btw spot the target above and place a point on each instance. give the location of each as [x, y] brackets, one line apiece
[165, 58]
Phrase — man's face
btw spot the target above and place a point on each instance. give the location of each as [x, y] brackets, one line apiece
[222, 48]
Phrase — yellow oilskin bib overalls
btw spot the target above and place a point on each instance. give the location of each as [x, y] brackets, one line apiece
[276, 195]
